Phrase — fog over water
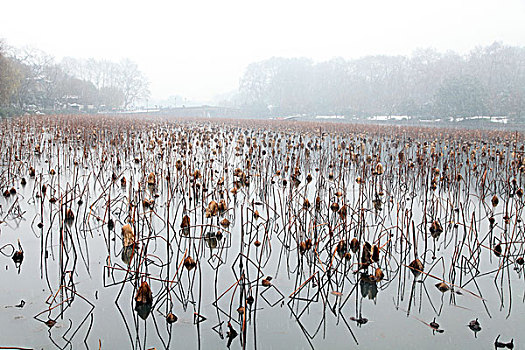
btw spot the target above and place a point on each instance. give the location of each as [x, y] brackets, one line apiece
[200, 49]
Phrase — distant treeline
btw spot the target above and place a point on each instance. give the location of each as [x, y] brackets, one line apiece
[32, 81]
[487, 81]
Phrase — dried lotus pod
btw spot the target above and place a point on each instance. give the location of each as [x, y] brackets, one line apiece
[189, 263]
[442, 287]
[144, 295]
[435, 229]
[222, 206]
[171, 318]
[379, 169]
[306, 204]
[416, 267]
[495, 201]
[498, 251]
[70, 216]
[375, 253]
[18, 255]
[343, 211]
[225, 223]
[354, 245]
[128, 236]
[185, 225]
[212, 210]
[379, 275]
[151, 179]
[341, 248]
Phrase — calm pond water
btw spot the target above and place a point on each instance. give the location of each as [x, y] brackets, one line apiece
[300, 235]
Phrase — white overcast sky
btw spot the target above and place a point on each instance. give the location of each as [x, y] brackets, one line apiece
[199, 49]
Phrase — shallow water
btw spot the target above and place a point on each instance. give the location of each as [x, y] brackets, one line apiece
[73, 273]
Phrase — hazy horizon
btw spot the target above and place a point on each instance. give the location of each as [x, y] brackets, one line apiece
[200, 50]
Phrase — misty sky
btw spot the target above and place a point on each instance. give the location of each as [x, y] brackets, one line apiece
[200, 49]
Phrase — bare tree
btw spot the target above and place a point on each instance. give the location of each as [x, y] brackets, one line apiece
[133, 83]
[10, 77]
[490, 80]
[123, 82]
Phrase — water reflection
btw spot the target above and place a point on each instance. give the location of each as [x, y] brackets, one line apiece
[368, 286]
[254, 233]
